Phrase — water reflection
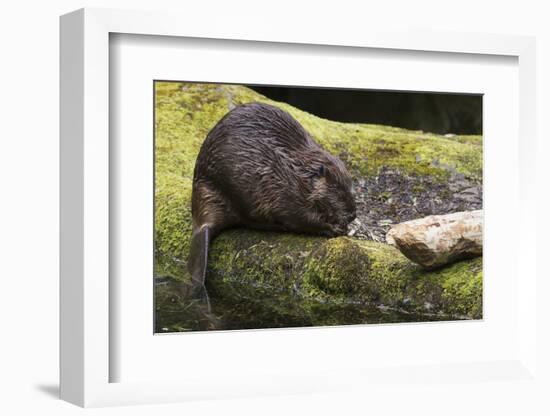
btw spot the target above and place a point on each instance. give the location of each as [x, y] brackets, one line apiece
[174, 312]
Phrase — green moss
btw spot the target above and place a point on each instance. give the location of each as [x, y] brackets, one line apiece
[456, 289]
[390, 272]
[261, 260]
[172, 225]
[338, 268]
[463, 288]
[257, 265]
[419, 189]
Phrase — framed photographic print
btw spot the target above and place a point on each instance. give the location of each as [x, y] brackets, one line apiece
[310, 204]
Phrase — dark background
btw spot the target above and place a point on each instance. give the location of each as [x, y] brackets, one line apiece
[430, 112]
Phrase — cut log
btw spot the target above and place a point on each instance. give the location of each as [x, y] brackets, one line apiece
[437, 240]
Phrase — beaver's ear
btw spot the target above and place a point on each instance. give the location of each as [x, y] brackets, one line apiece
[321, 171]
[317, 173]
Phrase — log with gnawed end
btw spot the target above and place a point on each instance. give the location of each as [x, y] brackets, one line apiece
[437, 240]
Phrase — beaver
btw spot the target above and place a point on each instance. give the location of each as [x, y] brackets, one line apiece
[259, 168]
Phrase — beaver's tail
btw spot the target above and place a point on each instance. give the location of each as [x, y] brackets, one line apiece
[198, 261]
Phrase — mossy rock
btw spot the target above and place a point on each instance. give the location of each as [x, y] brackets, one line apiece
[312, 271]
[251, 264]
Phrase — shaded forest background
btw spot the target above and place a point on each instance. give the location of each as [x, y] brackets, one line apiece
[430, 112]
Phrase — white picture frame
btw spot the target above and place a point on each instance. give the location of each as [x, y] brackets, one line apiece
[86, 356]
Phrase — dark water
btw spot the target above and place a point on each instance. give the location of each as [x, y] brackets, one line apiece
[176, 313]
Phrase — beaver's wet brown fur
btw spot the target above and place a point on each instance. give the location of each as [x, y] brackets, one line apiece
[259, 168]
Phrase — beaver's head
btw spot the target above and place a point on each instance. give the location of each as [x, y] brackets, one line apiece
[331, 195]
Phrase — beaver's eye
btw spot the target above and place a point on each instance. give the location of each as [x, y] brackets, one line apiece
[319, 172]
